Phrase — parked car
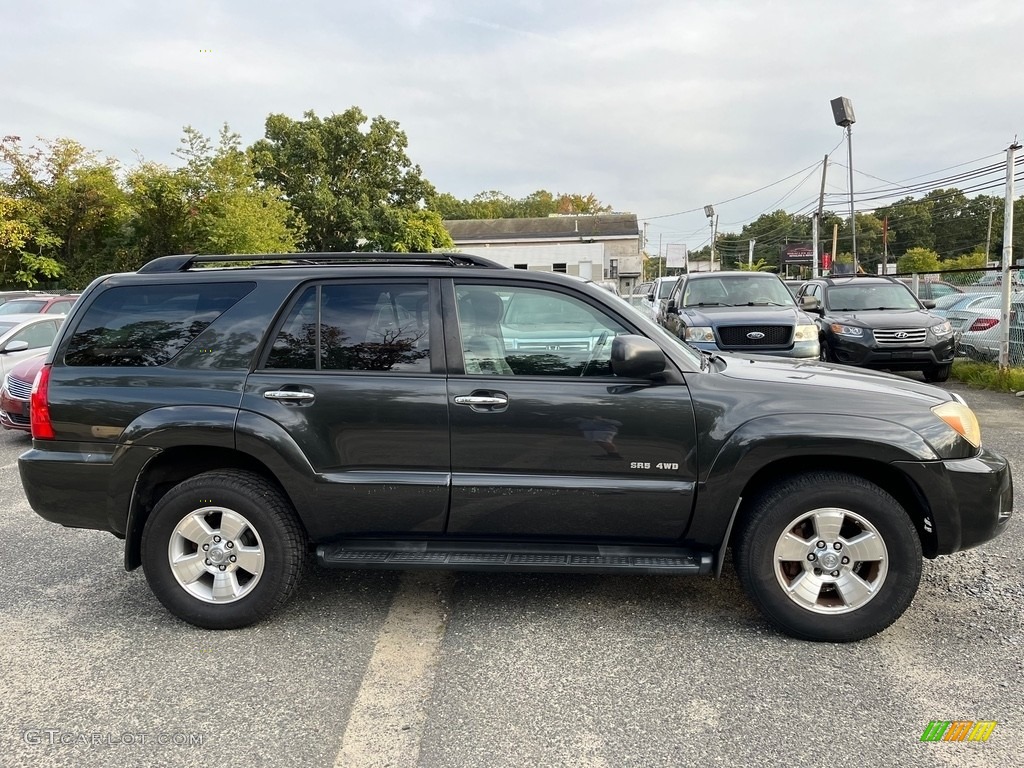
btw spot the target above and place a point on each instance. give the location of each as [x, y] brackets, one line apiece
[438, 410]
[15, 392]
[46, 305]
[946, 304]
[932, 289]
[23, 336]
[748, 312]
[993, 280]
[6, 296]
[878, 322]
[978, 327]
[794, 286]
[657, 296]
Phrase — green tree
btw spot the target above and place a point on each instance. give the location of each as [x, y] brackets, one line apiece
[24, 241]
[348, 184]
[423, 233]
[494, 204]
[918, 260]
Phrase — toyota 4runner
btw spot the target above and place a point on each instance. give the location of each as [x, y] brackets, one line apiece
[232, 418]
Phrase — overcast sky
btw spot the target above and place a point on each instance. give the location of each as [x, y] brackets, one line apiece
[655, 107]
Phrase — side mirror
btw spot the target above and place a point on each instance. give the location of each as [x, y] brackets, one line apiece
[928, 303]
[810, 304]
[650, 297]
[636, 357]
[671, 309]
[16, 346]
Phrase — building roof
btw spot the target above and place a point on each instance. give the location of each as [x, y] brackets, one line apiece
[601, 226]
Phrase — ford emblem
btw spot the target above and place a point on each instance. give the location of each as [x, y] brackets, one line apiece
[755, 335]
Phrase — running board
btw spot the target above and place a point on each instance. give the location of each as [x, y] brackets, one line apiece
[503, 556]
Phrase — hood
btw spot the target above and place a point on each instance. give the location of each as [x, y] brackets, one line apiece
[745, 315]
[887, 318]
[841, 378]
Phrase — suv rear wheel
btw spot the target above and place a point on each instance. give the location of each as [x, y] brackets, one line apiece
[829, 556]
[223, 549]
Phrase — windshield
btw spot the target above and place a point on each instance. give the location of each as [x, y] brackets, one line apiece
[665, 288]
[737, 291]
[22, 305]
[854, 298]
[6, 326]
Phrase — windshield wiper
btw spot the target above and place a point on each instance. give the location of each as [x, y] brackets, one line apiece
[709, 304]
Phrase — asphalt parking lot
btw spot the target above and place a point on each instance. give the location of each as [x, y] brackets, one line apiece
[432, 670]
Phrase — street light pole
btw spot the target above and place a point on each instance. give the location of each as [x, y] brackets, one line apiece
[709, 211]
[842, 112]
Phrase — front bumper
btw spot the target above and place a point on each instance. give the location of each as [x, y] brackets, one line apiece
[870, 355]
[969, 501]
[14, 413]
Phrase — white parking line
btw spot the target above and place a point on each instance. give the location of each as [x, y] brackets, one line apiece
[385, 725]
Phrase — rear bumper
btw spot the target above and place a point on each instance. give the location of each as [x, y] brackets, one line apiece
[82, 497]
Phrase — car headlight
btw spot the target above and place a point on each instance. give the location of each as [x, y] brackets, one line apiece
[962, 420]
[942, 329]
[699, 333]
[806, 333]
[847, 330]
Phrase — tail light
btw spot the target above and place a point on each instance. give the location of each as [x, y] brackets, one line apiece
[39, 406]
[984, 323]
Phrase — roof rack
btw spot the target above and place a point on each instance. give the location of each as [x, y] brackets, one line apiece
[185, 262]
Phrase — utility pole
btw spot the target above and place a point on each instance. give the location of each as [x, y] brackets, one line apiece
[988, 238]
[885, 246]
[853, 216]
[835, 244]
[659, 253]
[750, 255]
[816, 220]
[1004, 314]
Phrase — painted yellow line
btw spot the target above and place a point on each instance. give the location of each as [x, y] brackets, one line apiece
[385, 725]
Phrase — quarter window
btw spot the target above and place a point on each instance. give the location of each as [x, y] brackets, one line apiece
[144, 325]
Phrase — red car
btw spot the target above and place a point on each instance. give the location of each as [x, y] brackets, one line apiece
[14, 395]
[40, 304]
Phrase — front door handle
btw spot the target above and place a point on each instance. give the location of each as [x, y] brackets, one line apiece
[289, 395]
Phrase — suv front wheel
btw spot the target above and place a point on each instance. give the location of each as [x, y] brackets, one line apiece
[223, 549]
[829, 556]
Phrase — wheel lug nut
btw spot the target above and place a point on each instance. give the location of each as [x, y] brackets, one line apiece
[812, 557]
[817, 571]
[837, 545]
[230, 545]
[846, 561]
[222, 567]
[216, 538]
[233, 558]
[835, 574]
[208, 561]
[206, 547]
[821, 545]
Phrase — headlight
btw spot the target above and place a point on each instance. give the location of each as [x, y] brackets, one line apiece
[962, 419]
[700, 333]
[806, 333]
[847, 330]
[942, 329]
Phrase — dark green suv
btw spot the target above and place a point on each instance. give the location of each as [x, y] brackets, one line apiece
[440, 411]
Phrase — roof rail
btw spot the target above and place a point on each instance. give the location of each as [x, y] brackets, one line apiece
[184, 262]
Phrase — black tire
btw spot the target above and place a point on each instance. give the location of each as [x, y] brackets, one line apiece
[824, 355]
[257, 552]
[783, 527]
[937, 373]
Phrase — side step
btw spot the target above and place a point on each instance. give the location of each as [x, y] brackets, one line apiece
[505, 556]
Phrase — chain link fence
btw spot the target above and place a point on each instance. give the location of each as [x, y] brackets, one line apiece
[972, 301]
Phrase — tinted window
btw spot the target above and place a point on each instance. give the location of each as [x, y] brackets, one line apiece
[515, 331]
[356, 327]
[148, 324]
[866, 297]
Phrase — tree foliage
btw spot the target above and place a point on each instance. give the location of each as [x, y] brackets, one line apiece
[498, 205]
[918, 260]
[353, 186]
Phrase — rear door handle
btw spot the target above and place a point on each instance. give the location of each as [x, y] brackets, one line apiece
[478, 400]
